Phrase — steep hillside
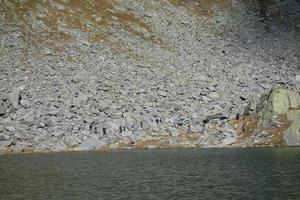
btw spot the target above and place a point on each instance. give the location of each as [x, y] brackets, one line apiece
[108, 74]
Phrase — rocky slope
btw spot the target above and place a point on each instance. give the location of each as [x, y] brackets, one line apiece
[78, 75]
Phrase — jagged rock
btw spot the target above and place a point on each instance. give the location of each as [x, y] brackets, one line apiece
[292, 134]
[15, 96]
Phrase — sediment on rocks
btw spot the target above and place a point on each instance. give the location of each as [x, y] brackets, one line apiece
[142, 74]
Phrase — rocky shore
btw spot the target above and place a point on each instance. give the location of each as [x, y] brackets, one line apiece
[138, 74]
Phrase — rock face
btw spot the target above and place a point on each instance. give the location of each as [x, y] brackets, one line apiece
[140, 73]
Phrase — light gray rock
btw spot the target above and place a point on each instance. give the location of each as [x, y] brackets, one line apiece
[137, 136]
[81, 99]
[92, 143]
[126, 133]
[281, 100]
[25, 103]
[8, 143]
[1, 128]
[2, 110]
[29, 118]
[292, 134]
[4, 145]
[214, 95]
[15, 96]
[297, 78]
[126, 140]
[72, 141]
[112, 127]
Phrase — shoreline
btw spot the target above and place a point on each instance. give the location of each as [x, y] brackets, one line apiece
[165, 78]
[103, 150]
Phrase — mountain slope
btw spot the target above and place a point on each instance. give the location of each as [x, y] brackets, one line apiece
[87, 74]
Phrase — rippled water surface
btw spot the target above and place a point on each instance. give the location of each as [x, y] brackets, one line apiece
[153, 174]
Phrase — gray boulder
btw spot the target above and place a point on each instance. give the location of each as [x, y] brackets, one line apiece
[292, 134]
[91, 143]
[279, 101]
[15, 96]
[2, 110]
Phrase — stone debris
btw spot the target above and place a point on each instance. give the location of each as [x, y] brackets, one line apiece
[143, 74]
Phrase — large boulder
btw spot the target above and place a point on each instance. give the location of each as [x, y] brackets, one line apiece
[279, 102]
[282, 100]
[292, 134]
[277, 113]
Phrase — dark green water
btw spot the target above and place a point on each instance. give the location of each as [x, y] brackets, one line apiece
[153, 174]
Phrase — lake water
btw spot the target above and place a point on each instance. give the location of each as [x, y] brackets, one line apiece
[153, 174]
